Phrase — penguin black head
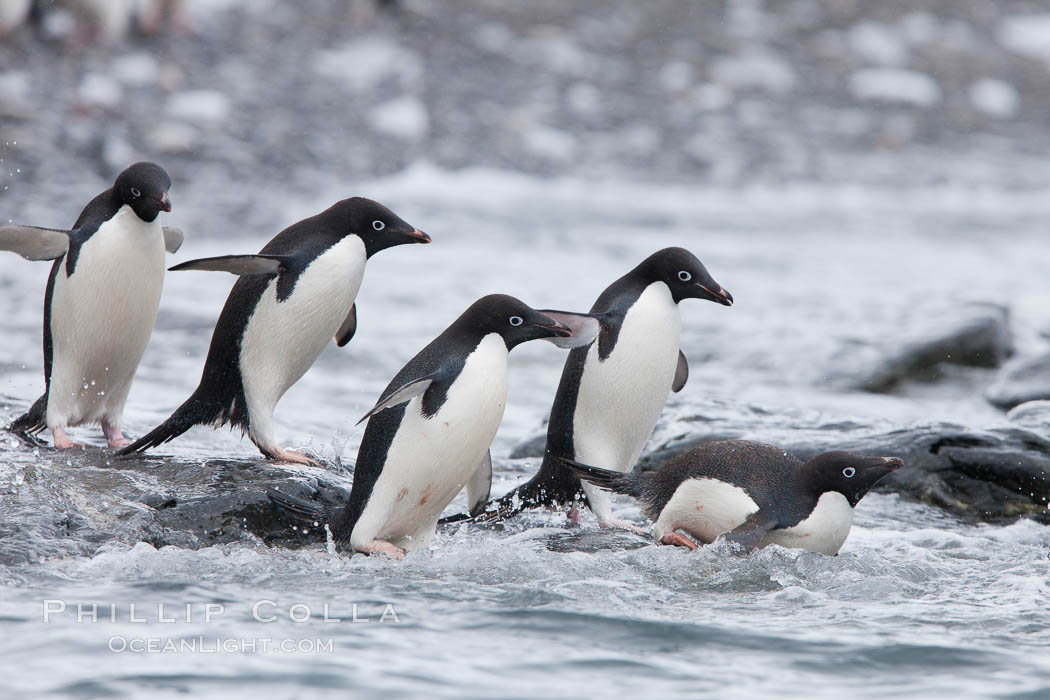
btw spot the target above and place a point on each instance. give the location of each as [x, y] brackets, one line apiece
[377, 226]
[513, 319]
[144, 188]
[684, 275]
[850, 474]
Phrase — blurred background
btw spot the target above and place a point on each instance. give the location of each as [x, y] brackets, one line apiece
[730, 93]
[868, 179]
[864, 177]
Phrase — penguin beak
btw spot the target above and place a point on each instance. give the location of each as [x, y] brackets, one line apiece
[892, 463]
[717, 294]
[418, 236]
[165, 203]
[878, 467]
[559, 330]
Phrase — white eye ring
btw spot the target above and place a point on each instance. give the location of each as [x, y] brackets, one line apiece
[516, 321]
[378, 225]
[135, 192]
[848, 472]
[684, 275]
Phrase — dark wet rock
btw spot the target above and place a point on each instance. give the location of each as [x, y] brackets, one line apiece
[1020, 380]
[56, 504]
[977, 335]
[63, 504]
[994, 475]
[594, 541]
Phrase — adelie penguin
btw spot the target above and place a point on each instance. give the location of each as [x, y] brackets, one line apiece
[429, 434]
[751, 493]
[100, 302]
[292, 298]
[611, 393]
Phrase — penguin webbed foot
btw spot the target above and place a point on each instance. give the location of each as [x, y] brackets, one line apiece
[62, 441]
[283, 454]
[114, 437]
[381, 547]
[678, 540]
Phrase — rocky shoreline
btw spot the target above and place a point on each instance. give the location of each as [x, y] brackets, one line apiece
[61, 504]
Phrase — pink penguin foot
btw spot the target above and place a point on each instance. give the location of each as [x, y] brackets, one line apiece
[381, 547]
[288, 455]
[114, 438]
[62, 440]
[678, 539]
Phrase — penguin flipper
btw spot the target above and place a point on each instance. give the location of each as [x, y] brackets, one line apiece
[479, 486]
[349, 327]
[681, 375]
[236, 264]
[34, 242]
[584, 327]
[405, 392]
[750, 532]
[173, 238]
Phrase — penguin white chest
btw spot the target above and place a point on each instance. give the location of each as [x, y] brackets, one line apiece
[620, 398]
[283, 338]
[824, 531]
[431, 459]
[705, 508]
[102, 317]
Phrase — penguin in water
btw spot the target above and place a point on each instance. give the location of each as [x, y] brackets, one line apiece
[100, 303]
[292, 297]
[429, 434]
[612, 392]
[751, 493]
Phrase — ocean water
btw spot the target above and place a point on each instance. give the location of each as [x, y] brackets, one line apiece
[827, 279]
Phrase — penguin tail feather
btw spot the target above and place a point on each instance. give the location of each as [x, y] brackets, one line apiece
[296, 508]
[552, 485]
[193, 412]
[32, 422]
[605, 478]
